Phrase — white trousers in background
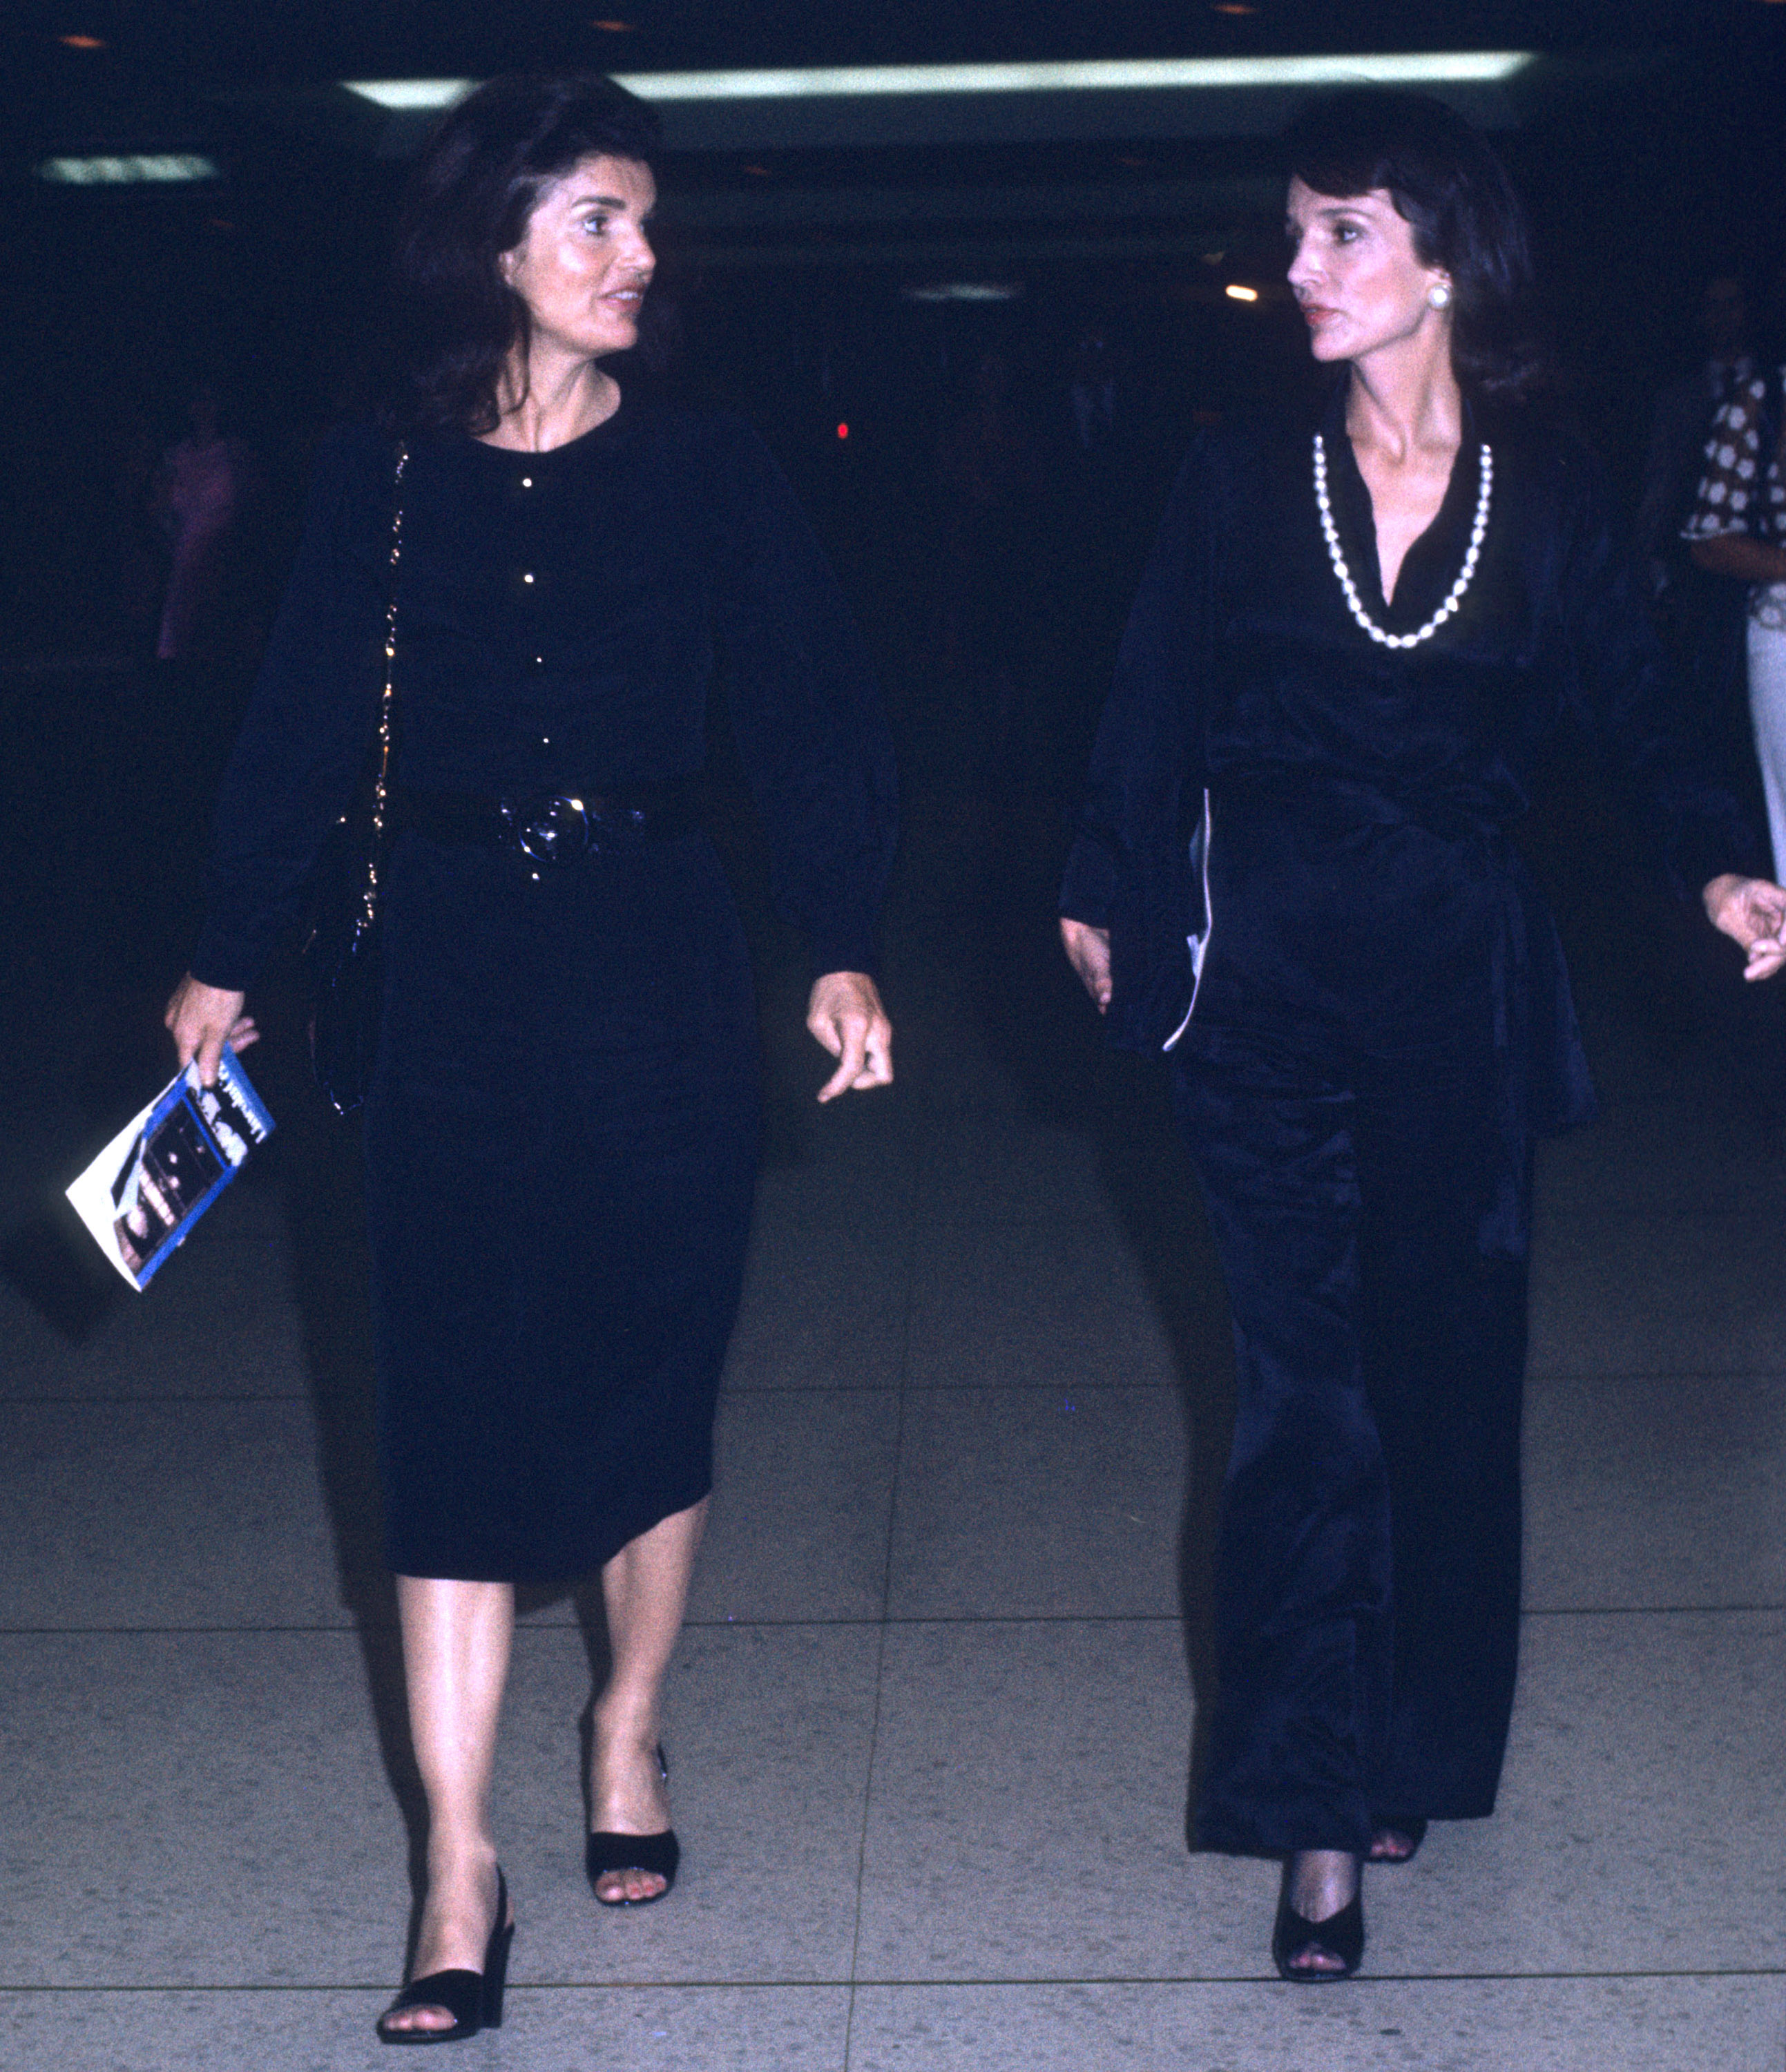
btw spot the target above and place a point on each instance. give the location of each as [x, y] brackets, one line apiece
[1767, 713]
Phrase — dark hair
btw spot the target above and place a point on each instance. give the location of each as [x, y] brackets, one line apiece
[468, 202]
[1456, 196]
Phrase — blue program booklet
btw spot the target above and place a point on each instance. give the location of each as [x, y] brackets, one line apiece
[166, 1167]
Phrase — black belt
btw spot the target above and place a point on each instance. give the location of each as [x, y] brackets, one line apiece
[554, 827]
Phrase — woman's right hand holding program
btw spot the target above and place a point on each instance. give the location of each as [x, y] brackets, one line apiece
[201, 1019]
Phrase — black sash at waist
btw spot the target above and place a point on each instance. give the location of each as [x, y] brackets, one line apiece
[1541, 1077]
[1450, 813]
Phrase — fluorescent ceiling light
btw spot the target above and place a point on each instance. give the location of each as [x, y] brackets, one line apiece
[965, 291]
[126, 171]
[1104, 75]
[1100, 76]
[411, 93]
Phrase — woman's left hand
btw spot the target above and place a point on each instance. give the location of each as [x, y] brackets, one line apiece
[845, 1013]
[1751, 911]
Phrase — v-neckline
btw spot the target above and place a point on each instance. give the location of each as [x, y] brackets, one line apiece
[1430, 565]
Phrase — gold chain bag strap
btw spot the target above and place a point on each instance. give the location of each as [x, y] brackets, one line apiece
[343, 959]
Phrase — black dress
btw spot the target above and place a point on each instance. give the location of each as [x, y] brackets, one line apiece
[561, 1138]
[1298, 839]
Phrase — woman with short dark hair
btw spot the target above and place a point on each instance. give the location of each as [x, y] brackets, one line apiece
[560, 1136]
[1356, 634]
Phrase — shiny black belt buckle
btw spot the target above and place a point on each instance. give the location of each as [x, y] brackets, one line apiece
[554, 830]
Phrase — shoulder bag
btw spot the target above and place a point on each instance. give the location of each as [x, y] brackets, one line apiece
[343, 962]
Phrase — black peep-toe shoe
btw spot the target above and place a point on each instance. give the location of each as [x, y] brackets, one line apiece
[1340, 1935]
[656, 1855]
[474, 1999]
[1413, 1832]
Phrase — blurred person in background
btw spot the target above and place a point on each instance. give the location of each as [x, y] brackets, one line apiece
[1105, 487]
[1737, 533]
[1699, 615]
[198, 496]
[991, 473]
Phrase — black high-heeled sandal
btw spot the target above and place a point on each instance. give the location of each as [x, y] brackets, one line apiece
[1341, 1935]
[657, 1856]
[1413, 1832]
[474, 1999]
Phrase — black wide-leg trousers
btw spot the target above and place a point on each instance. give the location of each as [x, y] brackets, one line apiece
[1368, 1562]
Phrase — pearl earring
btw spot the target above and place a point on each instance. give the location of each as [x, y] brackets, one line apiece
[1439, 295]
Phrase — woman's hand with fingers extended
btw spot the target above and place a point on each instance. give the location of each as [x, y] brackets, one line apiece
[845, 1013]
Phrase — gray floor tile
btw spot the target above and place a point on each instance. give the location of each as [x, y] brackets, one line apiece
[1028, 1503]
[1460, 2025]
[804, 1490]
[953, 1057]
[1656, 1493]
[1688, 1148]
[196, 1810]
[849, 1165]
[1048, 1306]
[222, 1817]
[984, 1167]
[824, 1306]
[1027, 1818]
[1639, 1817]
[219, 1319]
[680, 2029]
[954, 1068]
[692, 2029]
[164, 1514]
[310, 2031]
[870, 1129]
[1028, 1808]
[768, 1733]
[870, 1199]
[1622, 1294]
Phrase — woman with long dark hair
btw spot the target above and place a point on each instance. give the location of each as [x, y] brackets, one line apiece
[560, 1139]
[1359, 629]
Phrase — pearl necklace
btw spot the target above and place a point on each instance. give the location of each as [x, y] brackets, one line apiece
[1478, 531]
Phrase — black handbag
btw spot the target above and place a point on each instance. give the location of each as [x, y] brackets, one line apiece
[343, 959]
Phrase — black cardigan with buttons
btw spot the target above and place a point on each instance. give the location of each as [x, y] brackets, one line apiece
[560, 619]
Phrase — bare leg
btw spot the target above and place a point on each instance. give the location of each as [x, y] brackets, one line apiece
[1322, 1881]
[456, 1640]
[645, 1588]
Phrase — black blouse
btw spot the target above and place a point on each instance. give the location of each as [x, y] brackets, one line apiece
[1243, 670]
[559, 619]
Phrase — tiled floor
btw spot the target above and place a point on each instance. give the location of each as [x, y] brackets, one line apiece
[929, 1723]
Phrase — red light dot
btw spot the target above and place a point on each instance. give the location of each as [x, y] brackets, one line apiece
[843, 431]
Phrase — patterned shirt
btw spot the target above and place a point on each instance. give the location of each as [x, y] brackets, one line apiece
[1739, 485]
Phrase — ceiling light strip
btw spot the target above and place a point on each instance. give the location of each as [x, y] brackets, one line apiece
[1100, 76]
[403, 95]
[128, 170]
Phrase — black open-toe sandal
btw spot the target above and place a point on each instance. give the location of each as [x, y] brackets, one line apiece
[1413, 1832]
[1340, 1935]
[657, 1856]
[474, 1999]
